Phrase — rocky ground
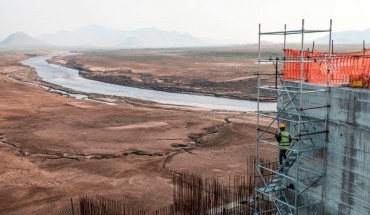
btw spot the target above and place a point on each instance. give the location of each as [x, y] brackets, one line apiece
[53, 148]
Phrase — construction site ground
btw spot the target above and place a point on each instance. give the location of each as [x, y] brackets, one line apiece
[53, 148]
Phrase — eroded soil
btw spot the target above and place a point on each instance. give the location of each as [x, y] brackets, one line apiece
[226, 72]
[53, 148]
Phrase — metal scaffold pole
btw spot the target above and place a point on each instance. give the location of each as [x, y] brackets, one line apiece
[289, 187]
[328, 105]
[258, 109]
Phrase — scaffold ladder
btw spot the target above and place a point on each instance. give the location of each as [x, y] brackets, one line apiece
[288, 186]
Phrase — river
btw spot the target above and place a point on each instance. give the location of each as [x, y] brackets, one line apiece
[69, 78]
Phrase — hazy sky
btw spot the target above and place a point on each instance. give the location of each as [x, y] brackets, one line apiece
[218, 19]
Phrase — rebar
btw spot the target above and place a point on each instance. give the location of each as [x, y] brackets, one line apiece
[192, 195]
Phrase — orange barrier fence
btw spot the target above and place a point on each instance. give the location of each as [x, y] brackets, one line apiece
[345, 68]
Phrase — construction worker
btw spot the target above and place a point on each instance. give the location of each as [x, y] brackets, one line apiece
[284, 139]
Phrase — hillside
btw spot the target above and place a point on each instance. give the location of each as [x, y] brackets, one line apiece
[21, 40]
[347, 37]
[101, 36]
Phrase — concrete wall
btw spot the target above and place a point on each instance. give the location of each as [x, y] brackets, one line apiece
[348, 154]
[346, 187]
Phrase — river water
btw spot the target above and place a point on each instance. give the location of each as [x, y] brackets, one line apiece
[69, 78]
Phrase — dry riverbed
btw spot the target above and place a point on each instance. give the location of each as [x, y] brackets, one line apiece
[53, 148]
[226, 72]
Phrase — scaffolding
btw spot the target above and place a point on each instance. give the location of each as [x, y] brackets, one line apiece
[297, 185]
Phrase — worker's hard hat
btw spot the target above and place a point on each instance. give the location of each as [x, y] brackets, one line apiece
[282, 125]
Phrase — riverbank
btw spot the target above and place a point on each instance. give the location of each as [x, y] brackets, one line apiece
[70, 78]
[53, 148]
[222, 72]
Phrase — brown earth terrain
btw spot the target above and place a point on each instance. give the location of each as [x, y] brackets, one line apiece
[220, 71]
[53, 148]
[226, 72]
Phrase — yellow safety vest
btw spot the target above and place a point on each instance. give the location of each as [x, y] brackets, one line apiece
[284, 142]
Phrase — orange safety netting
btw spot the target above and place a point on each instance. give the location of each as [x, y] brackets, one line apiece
[344, 67]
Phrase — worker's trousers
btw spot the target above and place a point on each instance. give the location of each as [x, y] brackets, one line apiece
[282, 154]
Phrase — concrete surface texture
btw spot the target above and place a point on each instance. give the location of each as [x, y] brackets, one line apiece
[346, 187]
[348, 153]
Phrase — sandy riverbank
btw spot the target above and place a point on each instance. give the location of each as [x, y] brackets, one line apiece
[53, 147]
[224, 72]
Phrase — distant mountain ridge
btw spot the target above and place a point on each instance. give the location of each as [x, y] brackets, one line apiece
[347, 37]
[21, 40]
[101, 36]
